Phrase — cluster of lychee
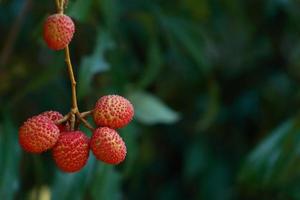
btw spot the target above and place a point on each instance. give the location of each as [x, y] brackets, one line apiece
[70, 148]
[51, 130]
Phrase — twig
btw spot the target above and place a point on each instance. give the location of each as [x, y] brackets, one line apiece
[62, 5]
[64, 119]
[72, 79]
[72, 121]
[86, 113]
[85, 122]
[74, 115]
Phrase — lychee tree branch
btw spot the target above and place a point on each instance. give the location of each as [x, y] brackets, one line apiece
[86, 113]
[84, 121]
[74, 115]
[72, 79]
[63, 120]
[57, 2]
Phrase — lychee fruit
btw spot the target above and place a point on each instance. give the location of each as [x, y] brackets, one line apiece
[38, 134]
[71, 151]
[54, 116]
[58, 31]
[108, 146]
[113, 111]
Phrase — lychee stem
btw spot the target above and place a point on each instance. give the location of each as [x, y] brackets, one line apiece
[74, 108]
[64, 119]
[85, 122]
[86, 113]
[62, 2]
[74, 115]
[72, 79]
[58, 6]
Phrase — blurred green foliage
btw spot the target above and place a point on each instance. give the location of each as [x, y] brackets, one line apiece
[214, 85]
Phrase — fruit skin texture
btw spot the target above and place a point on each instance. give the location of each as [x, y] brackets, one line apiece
[71, 151]
[58, 31]
[38, 134]
[108, 146]
[54, 116]
[113, 111]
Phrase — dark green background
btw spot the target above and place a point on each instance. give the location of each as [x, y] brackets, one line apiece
[215, 85]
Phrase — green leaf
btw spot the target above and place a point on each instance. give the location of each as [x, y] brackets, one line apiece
[111, 11]
[189, 37]
[276, 160]
[106, 183]
[154, 62]
[73, 186]
[37, 81]
[94, 63]
[196, 160]
[80, 10]
[151, 110]
[212, 107]
[130, 135]
[9, 160]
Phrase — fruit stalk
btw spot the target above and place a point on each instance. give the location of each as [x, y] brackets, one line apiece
[59, 6]
[72, 79]
[74, 108]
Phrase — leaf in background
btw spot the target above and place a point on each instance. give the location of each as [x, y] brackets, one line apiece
[73, 186]
[276, 160]
[212, 107]
[95, 63]
[189, 37]
[196, 160]
[199, 9]
[9, 160]
[150, 110]
[106, 183]
[37, 81]
[130, 135]
[154, 62]
[111, 12]
[80, 10]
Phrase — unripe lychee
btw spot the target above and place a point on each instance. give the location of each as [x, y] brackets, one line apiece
[71, 151]
[38, 134]
[58, 31]
[54, 116]
[108, 146]
[113, 111]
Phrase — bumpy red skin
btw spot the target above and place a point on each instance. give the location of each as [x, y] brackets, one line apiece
[38, 134]
[108, 146]
[54, 116]
[58, 31]
[113, 111]
[71, 151]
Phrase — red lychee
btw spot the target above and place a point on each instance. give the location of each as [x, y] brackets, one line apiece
[58, 31]
[54, 116]
[71, 151]
[38, 134]
[113, 111]
[108, 146]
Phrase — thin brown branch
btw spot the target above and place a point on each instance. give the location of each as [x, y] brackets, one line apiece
[85, 122]
[57, 3]
[72, 79]
[64, 119]
[62, 2]
[77, 123]
[59, 6]
[72, 121]
[86, 113]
